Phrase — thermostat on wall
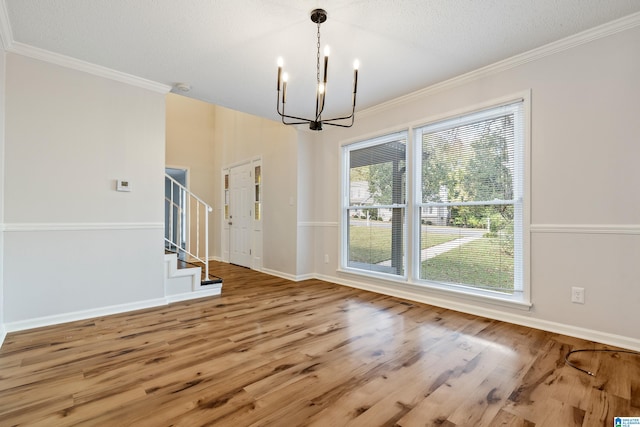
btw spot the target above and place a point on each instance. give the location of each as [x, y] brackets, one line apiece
[123, 185]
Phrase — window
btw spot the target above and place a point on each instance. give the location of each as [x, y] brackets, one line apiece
[470, 200]
[374, 213]
[257, 182]
[466, 208]
[226, 195]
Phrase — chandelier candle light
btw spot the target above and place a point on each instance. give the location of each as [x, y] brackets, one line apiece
[318, 16]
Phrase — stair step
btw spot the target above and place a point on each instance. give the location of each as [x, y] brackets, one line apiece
[187, 283]
[212, 281]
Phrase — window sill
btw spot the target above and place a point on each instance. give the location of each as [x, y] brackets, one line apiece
[479, 295]
[431, 293]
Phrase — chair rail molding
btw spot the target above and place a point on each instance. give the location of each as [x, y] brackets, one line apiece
[80, 226]
[586, 228]
[317, 224]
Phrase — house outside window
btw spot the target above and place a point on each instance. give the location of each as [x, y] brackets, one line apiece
[374, 214]
[466, 178]
[470, 172]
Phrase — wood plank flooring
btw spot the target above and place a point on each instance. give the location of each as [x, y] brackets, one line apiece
[270, 352]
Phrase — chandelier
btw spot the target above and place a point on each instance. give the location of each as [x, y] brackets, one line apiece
[318, 16]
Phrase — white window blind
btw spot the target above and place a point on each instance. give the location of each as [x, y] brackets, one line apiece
[470, 187]
[375, 209]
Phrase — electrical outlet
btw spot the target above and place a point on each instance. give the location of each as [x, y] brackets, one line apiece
[577, 295]
[326, 258]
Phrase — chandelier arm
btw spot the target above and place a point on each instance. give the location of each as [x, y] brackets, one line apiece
[350, 116]
[294, 118]
[283, 115]
[327, 121]
[321, 110]
[339, 124]
[286, 116]
[318, 111]
[278, 103]
[306, 122]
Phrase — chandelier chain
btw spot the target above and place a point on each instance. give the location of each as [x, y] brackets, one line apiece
[318, 56]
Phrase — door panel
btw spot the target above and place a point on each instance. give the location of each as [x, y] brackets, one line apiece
[240, 186]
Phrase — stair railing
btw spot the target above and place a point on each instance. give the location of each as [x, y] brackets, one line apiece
[187, 229]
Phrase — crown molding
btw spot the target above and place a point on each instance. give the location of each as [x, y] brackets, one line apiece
[12, 46]
[6, 37]
[87, 67]
[586, 36]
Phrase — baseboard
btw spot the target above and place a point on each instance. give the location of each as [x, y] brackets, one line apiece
[517, 319]
[104, 311]
[276, 273]
[116, 309]
[3, 335]
[583, 333]
[212, 290]
[56, 319]
[555, 327]
[287, 276]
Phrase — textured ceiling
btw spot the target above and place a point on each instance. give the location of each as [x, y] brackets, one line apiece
[227, 49]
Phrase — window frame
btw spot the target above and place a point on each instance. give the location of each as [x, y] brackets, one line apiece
[517, 106]
[346, 198]
[411, 279]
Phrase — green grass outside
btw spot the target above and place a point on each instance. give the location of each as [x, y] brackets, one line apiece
[372, 245]
[480, 263]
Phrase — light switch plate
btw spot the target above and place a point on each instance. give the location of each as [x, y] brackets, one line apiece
[123, 185]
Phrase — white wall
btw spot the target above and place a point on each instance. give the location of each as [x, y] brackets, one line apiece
[241, 137]
[72, 243]
[2, 104]
[70, 135]
[190, 136]
[305, 253]
[585, 213]
[208, 138]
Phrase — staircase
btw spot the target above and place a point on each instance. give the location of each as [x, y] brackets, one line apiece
[186, 238]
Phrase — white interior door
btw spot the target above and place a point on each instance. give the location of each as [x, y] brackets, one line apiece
[175, 211]
[240, 186]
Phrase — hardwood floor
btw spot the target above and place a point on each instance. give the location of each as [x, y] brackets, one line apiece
[270, 352]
